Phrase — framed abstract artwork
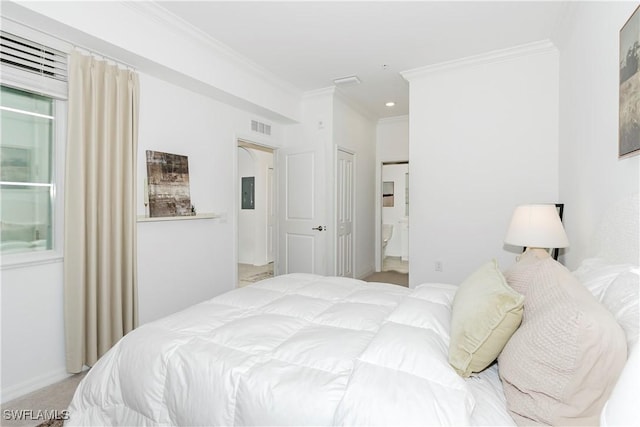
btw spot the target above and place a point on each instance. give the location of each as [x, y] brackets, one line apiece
[168, 184]
[629, 113]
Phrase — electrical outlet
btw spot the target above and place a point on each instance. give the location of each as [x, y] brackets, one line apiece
[438, 266]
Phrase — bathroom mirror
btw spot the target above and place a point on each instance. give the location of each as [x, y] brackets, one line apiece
[387, 194]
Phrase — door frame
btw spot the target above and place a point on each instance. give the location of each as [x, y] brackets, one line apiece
[334, 219]
[378, 250]
[250, 142]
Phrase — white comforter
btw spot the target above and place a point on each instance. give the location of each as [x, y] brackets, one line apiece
[297, 350]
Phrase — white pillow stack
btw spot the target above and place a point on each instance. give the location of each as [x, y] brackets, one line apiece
[617, 287]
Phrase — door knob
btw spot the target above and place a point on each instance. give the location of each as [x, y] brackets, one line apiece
[319, 228]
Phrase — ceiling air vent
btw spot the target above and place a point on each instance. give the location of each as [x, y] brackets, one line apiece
[26, 55]
[260, 127]
[349, 80]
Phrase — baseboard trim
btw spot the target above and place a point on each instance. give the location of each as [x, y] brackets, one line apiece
[363, 276]
[19, 390]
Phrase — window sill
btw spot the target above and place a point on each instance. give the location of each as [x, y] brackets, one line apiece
[30, 259]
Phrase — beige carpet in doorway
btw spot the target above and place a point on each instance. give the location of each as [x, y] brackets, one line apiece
[393, 277]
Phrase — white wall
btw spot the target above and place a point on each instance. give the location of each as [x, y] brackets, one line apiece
[483, 139]
[252, 223]
[355, 131]
[246, 217]
[33, 352]
[392, 139]
[592, 177]
[184, 262]
[264, 162]
[392, 145]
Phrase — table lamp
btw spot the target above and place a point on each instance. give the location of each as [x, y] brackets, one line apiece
[537, 228]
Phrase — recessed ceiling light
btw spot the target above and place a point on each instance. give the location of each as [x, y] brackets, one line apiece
[390, 104]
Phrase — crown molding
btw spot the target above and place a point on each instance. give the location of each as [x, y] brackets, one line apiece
[528, 49]
[164, 17]
[319, 92]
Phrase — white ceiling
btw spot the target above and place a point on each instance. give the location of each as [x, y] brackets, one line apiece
[309, 44]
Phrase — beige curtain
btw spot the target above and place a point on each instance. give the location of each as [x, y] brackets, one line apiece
[100, 290]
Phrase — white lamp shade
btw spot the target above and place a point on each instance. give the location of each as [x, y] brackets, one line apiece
[536, 226]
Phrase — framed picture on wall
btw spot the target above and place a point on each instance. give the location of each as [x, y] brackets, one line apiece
[168, 184]
[629, 113]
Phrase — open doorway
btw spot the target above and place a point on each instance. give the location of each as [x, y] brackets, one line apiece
[394, 230]
[256, 213]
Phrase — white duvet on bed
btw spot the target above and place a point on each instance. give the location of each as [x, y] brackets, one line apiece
[297, 349]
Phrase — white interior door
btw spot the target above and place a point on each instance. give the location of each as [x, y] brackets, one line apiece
[302, 213]
[344, 213]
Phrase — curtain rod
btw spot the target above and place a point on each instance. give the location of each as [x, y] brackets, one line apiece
[104, 57]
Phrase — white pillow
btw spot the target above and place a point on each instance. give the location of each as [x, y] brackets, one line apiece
[622, 408]
[621, 299]
[596, 275]
[616, 286]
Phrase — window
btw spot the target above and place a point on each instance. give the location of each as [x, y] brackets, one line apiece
[26, 164]
[33, 90]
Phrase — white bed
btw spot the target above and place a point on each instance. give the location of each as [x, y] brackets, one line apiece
[309, 350]
[296, 350]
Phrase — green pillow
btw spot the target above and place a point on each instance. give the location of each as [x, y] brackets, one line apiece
[486, 312]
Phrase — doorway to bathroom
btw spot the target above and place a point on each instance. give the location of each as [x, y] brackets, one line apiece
[394, 231]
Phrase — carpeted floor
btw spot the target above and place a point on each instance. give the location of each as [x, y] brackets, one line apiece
[393, 277]
[39, 407]
[248, 274]
[259, 276]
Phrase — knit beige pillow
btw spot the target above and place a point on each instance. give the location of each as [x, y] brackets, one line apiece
[485, 313]
[560, 366]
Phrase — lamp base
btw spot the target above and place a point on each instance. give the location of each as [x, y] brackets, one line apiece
[538, 253]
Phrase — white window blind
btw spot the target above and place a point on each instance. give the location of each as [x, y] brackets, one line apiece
[28, 61]
[33, 57]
